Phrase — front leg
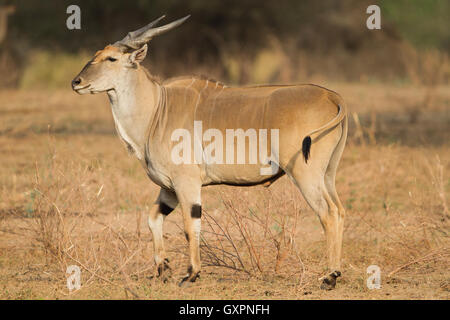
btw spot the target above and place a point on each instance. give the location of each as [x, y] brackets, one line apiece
[188, 191]
[163, 206]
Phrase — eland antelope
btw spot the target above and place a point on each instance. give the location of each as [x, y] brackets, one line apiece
[311, 123]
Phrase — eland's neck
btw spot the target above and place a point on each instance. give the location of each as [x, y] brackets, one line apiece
[133, 102]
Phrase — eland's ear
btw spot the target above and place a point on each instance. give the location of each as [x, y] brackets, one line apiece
[138, 55]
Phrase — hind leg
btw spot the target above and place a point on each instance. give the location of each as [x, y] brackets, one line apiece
[188, 191]
[311, 182]
[330, 186]
[338, 218]
[330, 177]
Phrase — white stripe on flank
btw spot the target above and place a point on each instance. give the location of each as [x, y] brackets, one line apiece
[218, 95]
[185, 89]
[199, 96]
[193, 80]
[214, 104]
[195, 112]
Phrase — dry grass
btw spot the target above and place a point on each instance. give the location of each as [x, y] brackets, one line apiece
[71, 195]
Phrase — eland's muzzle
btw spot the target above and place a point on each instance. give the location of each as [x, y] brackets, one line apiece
[76, 82]
[78, 85]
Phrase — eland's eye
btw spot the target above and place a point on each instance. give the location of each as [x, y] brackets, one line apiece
[111, 59]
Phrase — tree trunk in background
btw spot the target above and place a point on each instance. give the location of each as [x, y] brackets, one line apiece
[8, 60]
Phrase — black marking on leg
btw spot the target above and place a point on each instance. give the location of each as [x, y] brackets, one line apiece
[186, 235]
[196, 211]
[165, 209]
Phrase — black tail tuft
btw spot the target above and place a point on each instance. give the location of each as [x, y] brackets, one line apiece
[306, 147]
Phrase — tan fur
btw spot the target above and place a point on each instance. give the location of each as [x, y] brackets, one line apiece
[101, 55]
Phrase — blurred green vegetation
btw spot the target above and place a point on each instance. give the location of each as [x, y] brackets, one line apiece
[237, 41]
[426, 23]
[236, 22]
[39, 74]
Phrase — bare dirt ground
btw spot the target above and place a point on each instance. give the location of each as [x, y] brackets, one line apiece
[71, 195]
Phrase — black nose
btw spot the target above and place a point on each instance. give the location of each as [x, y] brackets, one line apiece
[76, 82]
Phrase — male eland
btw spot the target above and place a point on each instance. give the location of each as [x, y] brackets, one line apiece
[311, 123]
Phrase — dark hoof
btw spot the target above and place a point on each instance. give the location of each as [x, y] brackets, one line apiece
[189, 279]
[164, 270]
[184, 283]
[329, 283]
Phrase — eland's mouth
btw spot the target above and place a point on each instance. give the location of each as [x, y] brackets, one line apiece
[81, 88]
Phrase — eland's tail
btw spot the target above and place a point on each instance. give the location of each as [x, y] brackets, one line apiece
[307, 141]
